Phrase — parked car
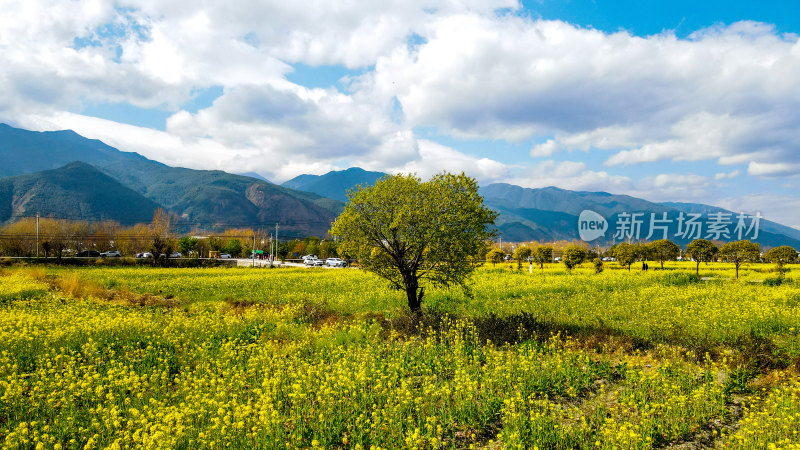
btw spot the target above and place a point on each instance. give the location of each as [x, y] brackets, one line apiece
[305, 257]
[313, 261]
[144, 255]
[175, 255]
[225, 256]
[335, 262]
[111, 254]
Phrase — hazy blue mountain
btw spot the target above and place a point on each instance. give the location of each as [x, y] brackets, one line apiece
[209, 199]
[554, 212]
[766, 225]
[75, 191]
[508, 196]
[334, 184]
[255, 175]
[23, 151]
[307, 204]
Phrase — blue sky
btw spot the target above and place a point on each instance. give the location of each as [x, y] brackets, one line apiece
[669, 101]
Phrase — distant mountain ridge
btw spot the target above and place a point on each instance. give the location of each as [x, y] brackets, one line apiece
[76, 190]
[208, 199]
[334, 184]
[552, 213]
[23, 151]
[42, 176]
[521, 215]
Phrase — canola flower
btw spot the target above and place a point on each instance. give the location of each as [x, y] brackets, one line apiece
[771, 420]
[89, 373]
[656, 307]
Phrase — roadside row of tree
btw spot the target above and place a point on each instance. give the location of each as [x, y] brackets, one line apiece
[57, 238]
[626, 254]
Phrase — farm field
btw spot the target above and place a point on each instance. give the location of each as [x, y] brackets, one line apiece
[114, 357]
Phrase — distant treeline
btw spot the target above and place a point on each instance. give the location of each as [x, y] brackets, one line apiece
[57, 238]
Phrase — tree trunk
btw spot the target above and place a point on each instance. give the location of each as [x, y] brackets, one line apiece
[414, 299]
[697, 270]
[737, 270]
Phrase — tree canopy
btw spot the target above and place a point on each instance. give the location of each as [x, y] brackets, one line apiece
[521, 253]
[411, 232]
[573, 255]
[495, 256]
[664, 250]
[542, 255]
[625, 254]
[701, 250]
[781, 255]
[739, 252]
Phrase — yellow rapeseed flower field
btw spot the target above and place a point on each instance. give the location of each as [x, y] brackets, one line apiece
[119, 357]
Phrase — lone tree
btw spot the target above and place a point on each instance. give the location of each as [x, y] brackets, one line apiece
[701, 250]
[781, 256]
[625, 254]
[495, 256]
[573, 255]
[664, 250]
[740, 252]
[521, 253]
[412, 232]
[598, 265]
[542, 255]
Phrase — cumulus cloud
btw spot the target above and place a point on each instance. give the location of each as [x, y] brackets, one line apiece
[435, 158]
[576, 175]
[570, 175]
[727, 94]
[773, 169]
[723, 175]
[774, 207]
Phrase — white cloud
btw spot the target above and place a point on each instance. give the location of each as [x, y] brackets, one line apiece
[435, 158]
[727, 94]
[783, 209]
[196, 153]
[773, 169]
[570, 175]
[578, 176]
[724, 175]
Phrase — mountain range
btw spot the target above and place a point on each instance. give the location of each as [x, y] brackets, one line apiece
[206, 199]
[62, 174]
[551, 213]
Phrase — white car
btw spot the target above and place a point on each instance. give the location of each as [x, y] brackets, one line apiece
[313, 261]
[175, 255]
[144, 255]
[335, 262]
[225, 256]
[111, 254]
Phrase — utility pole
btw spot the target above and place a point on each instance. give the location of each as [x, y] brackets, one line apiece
[253, 250]
[37, 234]
[276, 239]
